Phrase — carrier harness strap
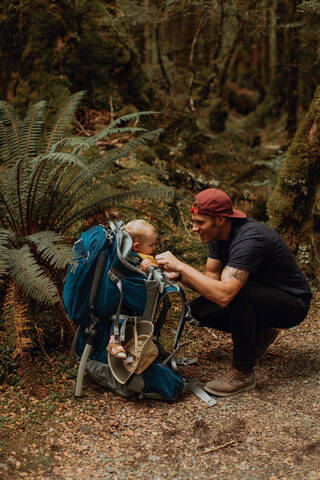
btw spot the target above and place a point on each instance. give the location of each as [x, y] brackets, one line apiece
[162, 316]
[165, 301]
[185, 314]
[202, 394]
[97, 277]
[117, 281]
[91, 330]
[112, 226]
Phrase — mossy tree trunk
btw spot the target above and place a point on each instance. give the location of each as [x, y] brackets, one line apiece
[290, 206]
[229, 36]
[293, 53]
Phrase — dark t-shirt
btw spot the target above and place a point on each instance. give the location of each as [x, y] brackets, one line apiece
[259, 250]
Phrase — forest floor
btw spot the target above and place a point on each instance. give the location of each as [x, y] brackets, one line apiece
[271, 433]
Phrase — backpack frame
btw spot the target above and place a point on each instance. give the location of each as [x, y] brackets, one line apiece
[104, 283]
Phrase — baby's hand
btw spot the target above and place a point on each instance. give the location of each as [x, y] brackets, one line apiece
[145, 264]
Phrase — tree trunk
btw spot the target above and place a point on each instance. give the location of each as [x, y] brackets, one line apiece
[146, 34]
[230, 34]
[293, 70]
[273, 48]
[290, 206]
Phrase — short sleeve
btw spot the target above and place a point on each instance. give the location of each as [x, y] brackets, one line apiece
[246, 253]
[213, 251]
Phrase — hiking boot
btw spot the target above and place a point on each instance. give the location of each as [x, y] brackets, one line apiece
[264, 339]
[232, 383]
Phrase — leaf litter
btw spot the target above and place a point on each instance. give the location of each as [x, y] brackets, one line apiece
[272, 433]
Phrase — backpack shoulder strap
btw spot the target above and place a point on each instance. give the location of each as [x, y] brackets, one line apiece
[185, 311]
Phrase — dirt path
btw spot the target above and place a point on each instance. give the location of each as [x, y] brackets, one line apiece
[272, 433]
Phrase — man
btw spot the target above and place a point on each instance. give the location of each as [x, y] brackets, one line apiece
[252, 285]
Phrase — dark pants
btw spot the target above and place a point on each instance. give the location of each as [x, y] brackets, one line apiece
[255, 307]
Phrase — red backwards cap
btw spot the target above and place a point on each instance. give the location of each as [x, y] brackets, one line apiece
[215, 202]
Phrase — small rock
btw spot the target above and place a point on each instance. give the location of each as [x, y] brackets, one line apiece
[86, 429]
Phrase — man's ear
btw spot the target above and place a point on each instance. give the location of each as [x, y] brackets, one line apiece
[220, 221]
[135, 246]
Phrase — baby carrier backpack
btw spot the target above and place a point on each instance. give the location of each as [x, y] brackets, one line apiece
[104, 284]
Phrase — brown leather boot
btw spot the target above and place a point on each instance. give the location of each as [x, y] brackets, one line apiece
[232, 383]
[264, 339]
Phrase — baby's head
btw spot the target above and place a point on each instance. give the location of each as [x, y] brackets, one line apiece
[144, 236]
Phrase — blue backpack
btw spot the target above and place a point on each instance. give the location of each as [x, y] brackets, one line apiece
[104, 283]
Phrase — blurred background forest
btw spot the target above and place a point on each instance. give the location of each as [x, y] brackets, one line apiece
[235, 84]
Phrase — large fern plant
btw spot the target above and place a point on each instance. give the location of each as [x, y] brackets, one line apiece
[47, 183]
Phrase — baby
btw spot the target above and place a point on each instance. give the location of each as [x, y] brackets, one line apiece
[144, 239]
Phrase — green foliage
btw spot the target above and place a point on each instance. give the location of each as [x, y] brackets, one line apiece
[47, 183]
[51, 49]
[309, 6]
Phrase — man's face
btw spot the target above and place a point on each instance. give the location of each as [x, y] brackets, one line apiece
[207, 227]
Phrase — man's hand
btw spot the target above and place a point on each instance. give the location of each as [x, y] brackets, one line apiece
[168, 262]
[173, 276]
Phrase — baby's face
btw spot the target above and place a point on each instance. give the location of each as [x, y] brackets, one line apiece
[148, 244]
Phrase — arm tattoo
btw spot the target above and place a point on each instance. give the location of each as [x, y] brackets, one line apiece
[240, 275]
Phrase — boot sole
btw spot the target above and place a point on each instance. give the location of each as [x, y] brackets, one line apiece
[248, 388]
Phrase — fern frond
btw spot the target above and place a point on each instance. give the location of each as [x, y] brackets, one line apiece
[7, 240]
[81, 181]
[113, 129]
[67, 142]
[59, 158]
[7, 237]
[89, 142]
[129, 117]
[18, 196]
[5, 149]
[52, 249]
[32, 128]
[45, 187]
[102, 185]
[62, 120]
[84, 143]
[11, 184]
[16, 321]
[30, 277]
[116, 199]
[3, 262]
[122, 152]
[9, 133]
[42, 177]
[7, 217]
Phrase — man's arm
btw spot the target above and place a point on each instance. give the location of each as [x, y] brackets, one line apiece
[219, 291]
[214, 268]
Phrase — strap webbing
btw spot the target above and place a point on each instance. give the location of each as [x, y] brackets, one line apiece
[197, 390]
[97, 277]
